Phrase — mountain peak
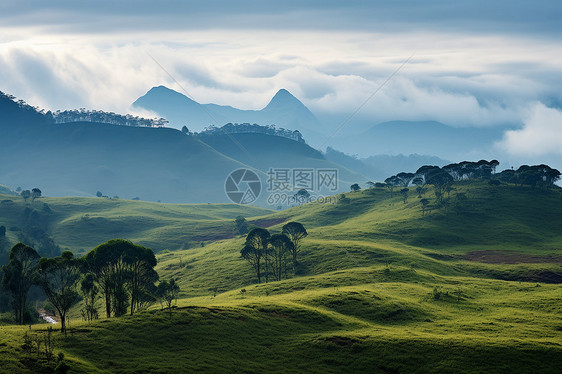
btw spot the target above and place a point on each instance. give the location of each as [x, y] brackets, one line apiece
[283, 98]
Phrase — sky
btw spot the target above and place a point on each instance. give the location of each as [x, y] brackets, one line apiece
[468, 63]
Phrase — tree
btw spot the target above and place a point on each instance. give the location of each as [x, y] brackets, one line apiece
[167, 292]
[124, 273]
[440, 180]
[404, 193]
[371, 184]
[296, 232]
[253, 256]
[241, 225]
[18, 277]
[391, 183]
[26, 194]
[90, 294]
[405, 178]
[281, 248]
[302, 196]
[355, 187]
[35, 193]
[494, 164]
[58, 278]
[99, 194]
[255, 250]
[141, 274]
[424, 203]
[185, 130]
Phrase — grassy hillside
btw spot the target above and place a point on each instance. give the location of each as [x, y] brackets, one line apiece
[80, 223]
[470, 287]
[263, 151]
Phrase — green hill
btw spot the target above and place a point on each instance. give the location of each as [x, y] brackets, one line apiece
[81, 223]
[470, 287]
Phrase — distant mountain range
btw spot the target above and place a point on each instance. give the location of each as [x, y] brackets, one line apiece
[165, 164]
[284, 111]
[155, 164]
[423, 137]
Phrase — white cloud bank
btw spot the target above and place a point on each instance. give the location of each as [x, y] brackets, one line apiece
[541, 134]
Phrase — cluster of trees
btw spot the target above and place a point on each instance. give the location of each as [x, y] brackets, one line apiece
[83, 115]
[274, 255]
[442, 179]
[542, 176]
[535, 176]
[243, 128]
[120, 272]
[27, 194]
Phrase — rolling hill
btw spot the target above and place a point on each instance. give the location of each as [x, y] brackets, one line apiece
[155, 164]
[470, 287]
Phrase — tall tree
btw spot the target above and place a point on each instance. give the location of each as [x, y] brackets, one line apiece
[440, 180]
[141, 262]
[296, 232]
[404, 193]
[18, 277]
[35, 193]
[167, 292]
[90, 294]
[281, 248]
[255, 250]
[253, 256]
[58, 278]
[26, 194]
[124, 272]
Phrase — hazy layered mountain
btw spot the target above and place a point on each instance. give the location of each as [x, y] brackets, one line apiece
[81, 158]
[427, 137]
[264, 152]
[380, 167]
[284, 110]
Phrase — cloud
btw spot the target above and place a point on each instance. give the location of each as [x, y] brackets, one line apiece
[106, 16]
[541, 134]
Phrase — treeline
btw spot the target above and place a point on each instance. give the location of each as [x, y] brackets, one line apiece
[244, 128]
[79, 115]
[274, 256]
[442, 179]
[534, 176]
[99, 116]
[118, 271]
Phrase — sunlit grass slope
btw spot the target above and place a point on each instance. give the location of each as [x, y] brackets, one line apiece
[79, 224]
[470, 287]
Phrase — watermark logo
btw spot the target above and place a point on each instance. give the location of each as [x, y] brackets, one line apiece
[284, 186]
[242, 186]
[295, 179]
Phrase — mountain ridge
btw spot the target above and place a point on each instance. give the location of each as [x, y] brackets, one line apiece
[283, 110]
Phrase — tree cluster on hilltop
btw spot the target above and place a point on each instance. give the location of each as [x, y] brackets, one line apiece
[81, 115]
[276, 255]
[246, 128]
[443, 178]
[99, 116]
[534, 176]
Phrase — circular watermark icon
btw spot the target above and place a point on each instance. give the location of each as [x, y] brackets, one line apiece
[242, 186]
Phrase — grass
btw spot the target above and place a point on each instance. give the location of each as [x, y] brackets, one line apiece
[79, 223]
[381, 288]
